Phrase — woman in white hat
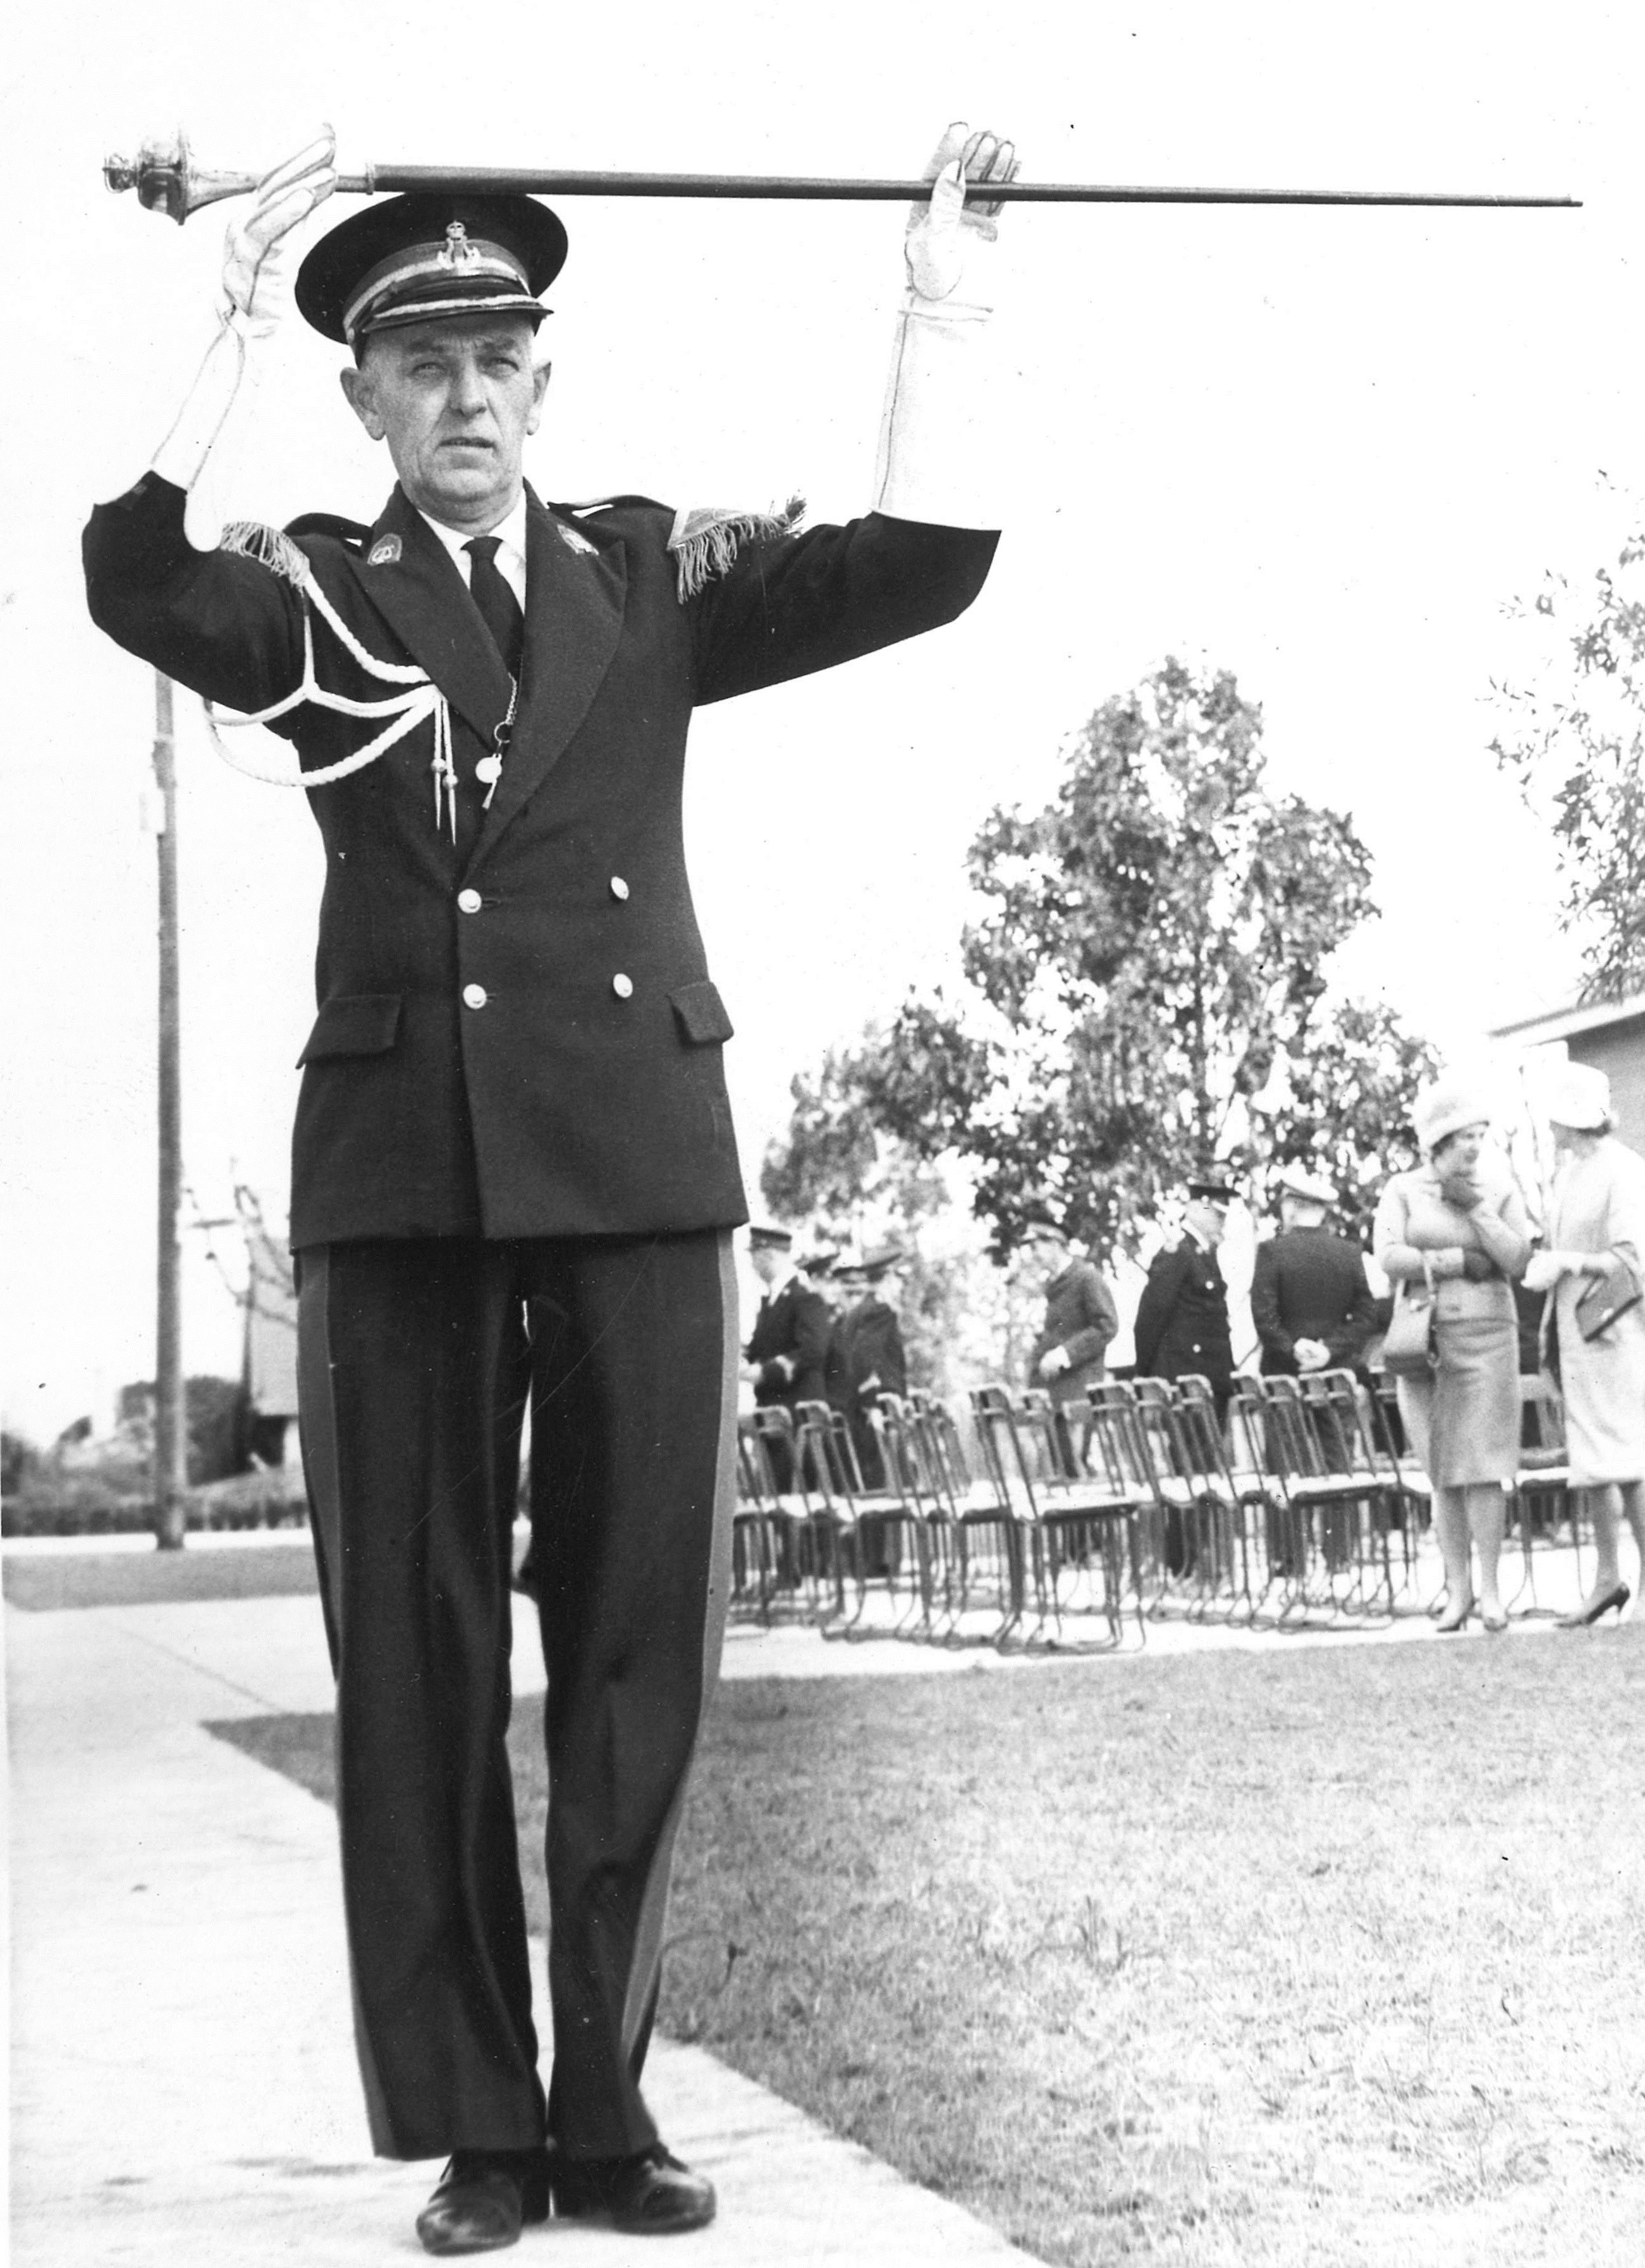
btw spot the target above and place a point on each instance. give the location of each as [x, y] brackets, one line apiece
[1459, 1220]
[1598, 1219]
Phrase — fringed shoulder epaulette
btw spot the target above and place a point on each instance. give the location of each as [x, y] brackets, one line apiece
[270, 547]
[706, 542]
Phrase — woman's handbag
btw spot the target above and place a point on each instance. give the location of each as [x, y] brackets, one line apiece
[1608, 1296]
[1408, 1351]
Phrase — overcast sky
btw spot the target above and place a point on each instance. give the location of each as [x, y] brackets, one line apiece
[1322, 449]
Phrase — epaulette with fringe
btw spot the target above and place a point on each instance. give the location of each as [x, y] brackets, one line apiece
[270, 547]
[707, 542]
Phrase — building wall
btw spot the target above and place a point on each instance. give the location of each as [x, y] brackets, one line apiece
[1619, 1050]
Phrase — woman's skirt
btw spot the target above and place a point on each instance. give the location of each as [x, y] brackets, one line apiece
[1602, 1381]
[1463, 1419]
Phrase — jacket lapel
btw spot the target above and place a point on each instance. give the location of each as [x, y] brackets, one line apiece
[420, 592]
[575, 597]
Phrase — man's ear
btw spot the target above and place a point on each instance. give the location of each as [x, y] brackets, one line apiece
[539, 387]
[361, 396]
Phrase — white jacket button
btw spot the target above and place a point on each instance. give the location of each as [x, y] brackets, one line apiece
[474, 996]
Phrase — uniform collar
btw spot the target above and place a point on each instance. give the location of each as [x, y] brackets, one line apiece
[510, 552]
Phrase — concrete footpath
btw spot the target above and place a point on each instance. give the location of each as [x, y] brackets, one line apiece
[183, 2088]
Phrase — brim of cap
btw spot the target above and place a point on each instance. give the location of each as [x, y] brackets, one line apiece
[328, 281]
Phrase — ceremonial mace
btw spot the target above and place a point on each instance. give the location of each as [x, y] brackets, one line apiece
[168, 180]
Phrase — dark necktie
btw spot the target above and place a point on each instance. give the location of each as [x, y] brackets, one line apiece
[499, 608]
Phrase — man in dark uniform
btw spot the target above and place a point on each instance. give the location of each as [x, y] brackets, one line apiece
[1309, 1298]
[1181, 1327]
[866, 1355]
[514, 1176]
[787, 1351]
[1081, 1318]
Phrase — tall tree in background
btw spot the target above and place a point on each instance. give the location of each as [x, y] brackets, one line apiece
[1576, 743]
[1148, 975]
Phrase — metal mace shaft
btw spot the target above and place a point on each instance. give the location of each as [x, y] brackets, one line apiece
[167, 180]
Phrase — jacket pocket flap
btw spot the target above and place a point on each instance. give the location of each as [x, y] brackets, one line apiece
[702, 1013]
[359, 1024]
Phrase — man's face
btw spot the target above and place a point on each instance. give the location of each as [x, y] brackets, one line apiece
[1301, 1213]
[769, 1262]
[1208, 1219]
[454, 401]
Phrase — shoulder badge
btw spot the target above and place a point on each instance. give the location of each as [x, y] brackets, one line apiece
[385, 552]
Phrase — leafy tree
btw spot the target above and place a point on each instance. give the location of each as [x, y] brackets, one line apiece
[1576, 743]
[1146, 975]
[215, 1416]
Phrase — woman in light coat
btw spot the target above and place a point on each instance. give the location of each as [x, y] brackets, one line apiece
[1597, 1216]
[1461, 1220]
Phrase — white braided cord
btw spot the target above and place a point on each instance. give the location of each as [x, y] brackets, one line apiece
[421, 699]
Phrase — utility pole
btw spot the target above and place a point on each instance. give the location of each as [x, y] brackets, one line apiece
[171, 1436]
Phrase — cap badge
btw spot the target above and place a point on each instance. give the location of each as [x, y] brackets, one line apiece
[385, 552]
[457, 252]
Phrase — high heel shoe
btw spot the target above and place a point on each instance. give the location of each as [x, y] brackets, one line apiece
[1591, 1609]
[1454, 1618]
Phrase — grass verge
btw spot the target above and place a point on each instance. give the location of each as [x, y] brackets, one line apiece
[1300, 1957]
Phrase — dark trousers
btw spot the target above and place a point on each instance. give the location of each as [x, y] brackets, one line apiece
[416, 1360]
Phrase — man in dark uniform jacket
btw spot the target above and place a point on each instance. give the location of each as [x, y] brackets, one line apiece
[866, 1355]
[513, 1173]
[1309, 1298]
[1181, 1327]
[786, 1354]
[1081, 1319]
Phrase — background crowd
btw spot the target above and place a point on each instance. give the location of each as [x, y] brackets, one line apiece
[1469, 1286]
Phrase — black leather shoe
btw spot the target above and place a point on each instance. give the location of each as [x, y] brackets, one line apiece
[483, 2199]
[1591, 1609]
[650, 2195]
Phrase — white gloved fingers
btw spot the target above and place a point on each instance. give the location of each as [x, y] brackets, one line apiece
[254, 250]
[315, 165]
[943, 229]
[987, 158]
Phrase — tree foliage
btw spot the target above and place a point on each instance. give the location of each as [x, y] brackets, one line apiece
[1576, 743]
[1145, 980]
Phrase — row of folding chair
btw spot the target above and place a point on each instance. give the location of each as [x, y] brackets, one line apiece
[1077, 1524]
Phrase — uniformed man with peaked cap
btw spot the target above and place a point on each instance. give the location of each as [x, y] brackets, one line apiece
[513, 1172]
[1310, 1301]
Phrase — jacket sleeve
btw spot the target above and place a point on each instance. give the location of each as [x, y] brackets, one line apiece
[1154, 1313]
[788, 605]
[223, 625]
[1099, 1321]
[1358, 1326]
[814, 1325]
[1264, 1304]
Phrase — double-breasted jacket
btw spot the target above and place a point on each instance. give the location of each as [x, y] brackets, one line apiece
[517, 1034]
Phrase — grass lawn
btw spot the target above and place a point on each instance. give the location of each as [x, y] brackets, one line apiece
[1295, 1957]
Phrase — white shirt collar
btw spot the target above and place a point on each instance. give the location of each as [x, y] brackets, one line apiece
[511, 554]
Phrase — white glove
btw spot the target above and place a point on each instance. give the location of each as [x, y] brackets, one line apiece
[256, 291]
[935, 437]
[943, 230]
